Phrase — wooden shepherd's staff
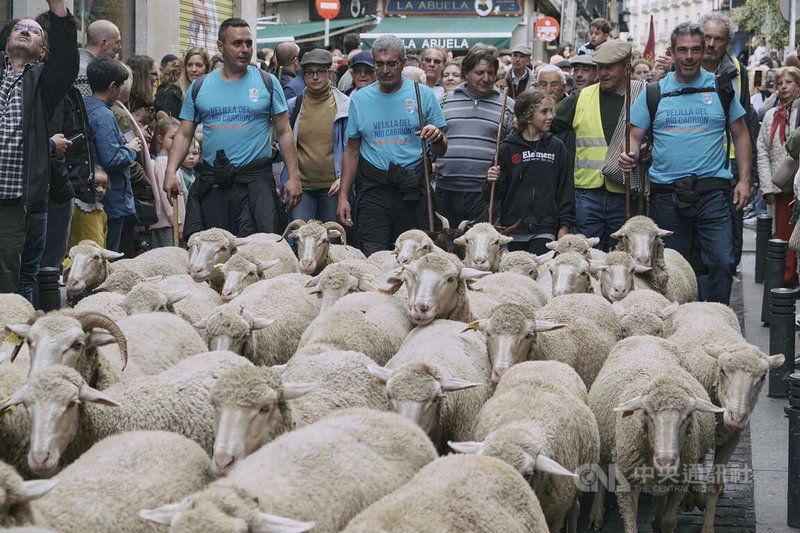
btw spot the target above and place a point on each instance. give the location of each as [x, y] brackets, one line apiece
[627, 138]
[497, 149]
[176, 239]
[425, 159]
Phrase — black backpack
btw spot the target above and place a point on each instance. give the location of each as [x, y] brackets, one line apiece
[265, 77]
[724, 90]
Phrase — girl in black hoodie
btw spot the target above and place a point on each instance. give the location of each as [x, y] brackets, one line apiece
[534, 180]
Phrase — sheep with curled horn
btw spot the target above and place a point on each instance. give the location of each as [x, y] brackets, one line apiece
[314, 248]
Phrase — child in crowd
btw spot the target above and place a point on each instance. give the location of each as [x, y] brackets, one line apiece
[534, 179]
[187, 167]
[89, 220]
[599, 29]
[161, 232]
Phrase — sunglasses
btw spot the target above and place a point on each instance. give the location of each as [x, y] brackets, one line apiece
[31, 29]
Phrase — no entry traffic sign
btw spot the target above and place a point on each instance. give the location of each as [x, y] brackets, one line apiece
[328, 9]
[546, 29]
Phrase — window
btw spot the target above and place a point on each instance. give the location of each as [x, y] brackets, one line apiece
[119, 12]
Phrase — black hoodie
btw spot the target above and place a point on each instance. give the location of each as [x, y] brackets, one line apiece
[536, 185]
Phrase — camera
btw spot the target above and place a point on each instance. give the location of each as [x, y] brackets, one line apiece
[770, 78]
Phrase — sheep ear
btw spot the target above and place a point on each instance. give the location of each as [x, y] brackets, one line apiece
[316, 289]
[108, 254]
[664, 232]
[468, 274]
[545, 464]
[544, 258]
[162, 515]
[393, 282]
[201, 324]
[32, 490]
[266, 265]
[667, 311]
[546, 325]
[467, 447]
[641, 269]
[100, 338]
[460, 241]
[437, 249]
[313, 282]
[774, 361]
[16, 399]
[618, 234]
[707, 407]
[365, 285]
[593, 241]
[595, 266]
[552, 245]
[505, 239]
[334, 233]
[154, 279]
[290, 391]
[477, 325]
[629, 407]
[20, 330]
[176, 295]
[714, 350]
[241, 241]
[261, 323]
[88, 394]
[381, 373]
[270, 523]
[455, 384]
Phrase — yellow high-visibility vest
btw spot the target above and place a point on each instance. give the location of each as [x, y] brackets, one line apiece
[738, 90]
[590, 142]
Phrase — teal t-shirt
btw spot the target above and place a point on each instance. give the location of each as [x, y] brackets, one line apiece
[688, 130]
[386, 122]
[235, 115]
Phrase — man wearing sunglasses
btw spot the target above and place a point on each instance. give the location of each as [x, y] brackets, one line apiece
[30, 89]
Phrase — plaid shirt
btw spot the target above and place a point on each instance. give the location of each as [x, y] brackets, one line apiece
[11, 141]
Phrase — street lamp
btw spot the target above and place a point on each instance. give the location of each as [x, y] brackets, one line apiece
[624, 18]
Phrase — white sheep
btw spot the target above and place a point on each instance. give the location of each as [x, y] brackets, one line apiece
[454, 494]
[413, 244]
[545, 431]
[371, 323]
[14, 430]
[673, 428]
[344, 277]
[65, 422]
[670, 274]
[314, 248]
[326, 472]
[645, 312]
[255, 404]
[436, 359]
[259, 256]
[505, 288]
[177, 294]
[521, 262]
[14, 309]
[105, 303]
[207, 249]
[122, 281]
[618, 279]
[578, 243]
[482, 243]
[264, 323]
[571, 273]
[385, 260]
[105, 487]
[88, 265]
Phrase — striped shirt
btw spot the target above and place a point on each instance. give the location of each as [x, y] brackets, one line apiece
[12, 165]
[471, 137]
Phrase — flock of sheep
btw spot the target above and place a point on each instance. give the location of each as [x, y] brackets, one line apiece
[240, 387]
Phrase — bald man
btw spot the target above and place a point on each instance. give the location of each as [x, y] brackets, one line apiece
[286, 56]
[102, 39]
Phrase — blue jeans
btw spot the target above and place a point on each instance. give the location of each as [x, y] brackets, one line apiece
[315, 204]
[713, 229]
[35, 235]
[114, 233]
[599, 213]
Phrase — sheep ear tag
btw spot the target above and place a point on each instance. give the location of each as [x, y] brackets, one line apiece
[218, 265]
[13, 338]
[65, 263]
[7, 408]
[471, 326]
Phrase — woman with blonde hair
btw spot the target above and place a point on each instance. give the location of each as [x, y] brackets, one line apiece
[169, 96]
[195, 64]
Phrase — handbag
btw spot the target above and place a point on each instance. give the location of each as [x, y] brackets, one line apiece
[784, 176]
[144, 204]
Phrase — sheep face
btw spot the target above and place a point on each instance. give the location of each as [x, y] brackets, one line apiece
[639, 320]
[482, 245]
[412, 245]
[207, 249]
[415, 391]
[52, 398]
[148, 297]
[221, 509]
[617, 280]
[88, 266]
[640, 236]
[249, 411]
[666, 410]
[509, 335]
[241, 271]
[572, 274]
[335, 282]
[742, 370]
[313, 245]
[520, 262]
[229, 328]
[576, 243]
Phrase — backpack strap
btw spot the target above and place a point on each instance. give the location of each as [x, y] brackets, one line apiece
[296, 111]
[726, 97]
[265, 77]
[652, 98]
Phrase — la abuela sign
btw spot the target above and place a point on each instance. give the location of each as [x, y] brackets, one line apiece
[453, 7]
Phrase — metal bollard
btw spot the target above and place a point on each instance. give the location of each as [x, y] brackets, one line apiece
[763, 233]
[49, 293]
[781, 339]
[773, 273]
[793, 492]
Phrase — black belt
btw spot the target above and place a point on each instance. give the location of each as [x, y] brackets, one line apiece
[11, 201]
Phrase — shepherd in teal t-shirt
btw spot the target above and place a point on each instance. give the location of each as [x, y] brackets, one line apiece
[235, 115]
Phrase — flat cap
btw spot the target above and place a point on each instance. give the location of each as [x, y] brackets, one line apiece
[564, 64]
[583, 59]
[363, 58]
[612, 51]
[317, 56]
[523, 49]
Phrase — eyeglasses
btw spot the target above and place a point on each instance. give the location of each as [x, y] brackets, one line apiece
[316, 73]
[32, 29]
[363, 70]
[431, 60]
[391, 65]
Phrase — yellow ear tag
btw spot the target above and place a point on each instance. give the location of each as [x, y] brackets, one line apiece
[7, 409]
[309, 281]
[13, 338]
[626, 414]
[218, 265]
[319, 295]
[65, 263]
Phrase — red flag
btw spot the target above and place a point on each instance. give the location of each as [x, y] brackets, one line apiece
[650, 48]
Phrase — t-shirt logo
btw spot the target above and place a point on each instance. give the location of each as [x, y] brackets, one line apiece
[410, 106]
[254, 94]
[516, 158]
[706, 97]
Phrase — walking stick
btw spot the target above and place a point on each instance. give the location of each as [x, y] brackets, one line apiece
[627, 138]
[176, 239]
[425, 160]
[497, 149]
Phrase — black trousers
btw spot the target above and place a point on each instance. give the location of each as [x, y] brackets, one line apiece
[381, 216]
[534, 246]
[457, 206]
[12, 240]
[228, 208]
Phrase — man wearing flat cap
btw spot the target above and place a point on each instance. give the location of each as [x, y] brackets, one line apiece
[584, 71]
[519, 78]
[594, 113]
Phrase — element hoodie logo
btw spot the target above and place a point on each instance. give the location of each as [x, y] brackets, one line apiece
[516, 158]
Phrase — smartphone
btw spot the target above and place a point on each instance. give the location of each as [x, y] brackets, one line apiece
[128, 136]
[75, 137]
[758, 76]
[770, 78]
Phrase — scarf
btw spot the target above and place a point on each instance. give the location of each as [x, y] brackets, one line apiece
[780, 119]
[148, 163]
